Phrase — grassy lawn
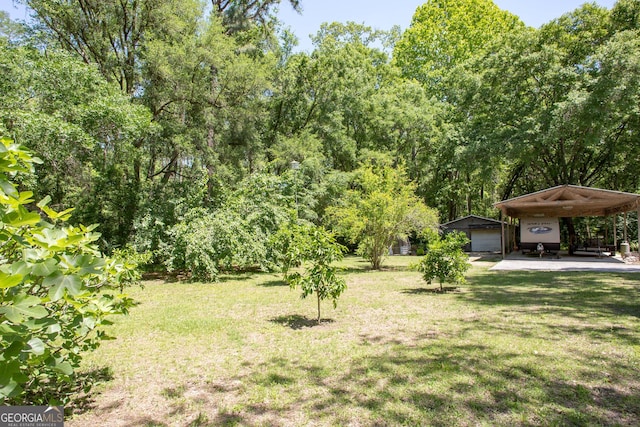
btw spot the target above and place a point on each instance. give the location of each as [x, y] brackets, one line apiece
[520, 348]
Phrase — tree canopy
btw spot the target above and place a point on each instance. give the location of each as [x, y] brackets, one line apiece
[560, 103]
[445, 33]
[151, 117]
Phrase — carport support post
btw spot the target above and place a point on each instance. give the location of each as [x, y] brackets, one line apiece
[615, 233]
[502, 227]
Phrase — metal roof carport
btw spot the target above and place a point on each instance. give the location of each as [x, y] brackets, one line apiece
[567, 201]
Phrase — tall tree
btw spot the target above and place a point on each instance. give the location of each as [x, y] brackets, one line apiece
[206, 90]
[107, 33]
[10, 30]
[444, 33]
[84, 130]
[625, 15]
[327, 92]
[238, 15]
[561, 101]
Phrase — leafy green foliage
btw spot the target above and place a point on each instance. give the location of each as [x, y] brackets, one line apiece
[56, 290]
[381, 208]
[444, 33]
[236, 235]
[204, 87]
[445, 259]
[315, 249]
[191, 100]
[84, 130]
[10, 30]
[558, 105]
[205, 243]
[625, 15]
[239, 15]
[328, 94]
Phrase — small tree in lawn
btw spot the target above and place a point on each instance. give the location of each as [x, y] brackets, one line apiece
[445, 260]
[315, 247]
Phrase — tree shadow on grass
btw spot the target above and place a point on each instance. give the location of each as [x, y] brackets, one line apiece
[227, 418]
[296, 321]
[273, 283]
[236, 276]
[489, 258]
[165, 277]
[366, 268]
[437, 291]
[357, 269]
[477, 381]
[438, 383]
[568, 293]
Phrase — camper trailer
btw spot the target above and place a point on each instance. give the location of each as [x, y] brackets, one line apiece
[540, 235]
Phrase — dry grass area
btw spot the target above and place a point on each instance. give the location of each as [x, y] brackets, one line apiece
[519, 348]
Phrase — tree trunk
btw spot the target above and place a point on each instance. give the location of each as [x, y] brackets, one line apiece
[572, 233]
[469, 195]
[318, 308]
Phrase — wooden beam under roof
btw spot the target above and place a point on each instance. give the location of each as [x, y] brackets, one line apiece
[570, 201]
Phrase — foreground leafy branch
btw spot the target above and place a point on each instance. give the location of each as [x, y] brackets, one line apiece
[56, 290]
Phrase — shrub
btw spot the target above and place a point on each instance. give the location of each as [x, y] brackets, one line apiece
[205, 243]
[56, 290]
[446, 260]
[235, 236]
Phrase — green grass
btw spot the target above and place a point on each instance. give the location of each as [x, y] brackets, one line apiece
[520, 348]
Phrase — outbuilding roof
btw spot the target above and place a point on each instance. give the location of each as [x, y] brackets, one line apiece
[569, 201]
[450, 223]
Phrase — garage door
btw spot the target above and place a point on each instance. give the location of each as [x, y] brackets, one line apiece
[485, 241]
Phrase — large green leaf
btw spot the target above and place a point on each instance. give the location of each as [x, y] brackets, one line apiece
[24, 307]
[52, 238]
[10, 378]
[9, 280]
[21, 218]
[63, 368]
[45, 268]
[89, 264]
[8, 188]
[36, 346]
[13, 350]
[8, 331]
[19, 268]
[58, 282]
[64, 215]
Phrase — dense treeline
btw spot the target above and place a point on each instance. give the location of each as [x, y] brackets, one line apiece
[174, 124]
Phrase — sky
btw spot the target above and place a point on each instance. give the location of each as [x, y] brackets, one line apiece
[382, 14]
